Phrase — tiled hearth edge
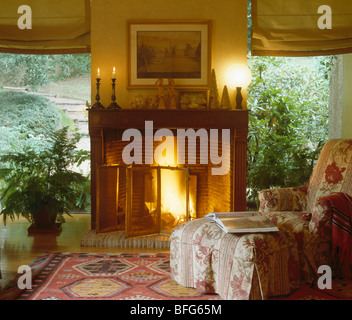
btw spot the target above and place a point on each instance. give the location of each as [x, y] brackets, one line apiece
[117, 239]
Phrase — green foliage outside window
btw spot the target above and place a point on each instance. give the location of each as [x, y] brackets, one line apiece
[288, 121]
[25, 120]
[27, 70]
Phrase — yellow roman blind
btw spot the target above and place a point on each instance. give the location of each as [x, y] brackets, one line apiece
[301, 27]
[45, 26]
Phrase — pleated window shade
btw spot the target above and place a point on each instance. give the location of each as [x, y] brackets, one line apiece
[58, 26]
[290, 28]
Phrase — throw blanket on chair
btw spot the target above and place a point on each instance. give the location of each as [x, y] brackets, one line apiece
[341, 205]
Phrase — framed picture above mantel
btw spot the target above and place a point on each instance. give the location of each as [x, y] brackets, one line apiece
[193, 99]
[177, 49]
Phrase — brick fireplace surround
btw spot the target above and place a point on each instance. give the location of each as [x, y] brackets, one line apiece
[214, 193]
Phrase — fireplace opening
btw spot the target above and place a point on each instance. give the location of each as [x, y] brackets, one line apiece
[149, 199]
[158, 199]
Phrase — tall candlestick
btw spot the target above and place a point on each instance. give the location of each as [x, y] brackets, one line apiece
[97, 104]
[113, 104]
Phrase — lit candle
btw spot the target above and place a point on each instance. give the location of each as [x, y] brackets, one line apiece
[114, 73]
[98, 74]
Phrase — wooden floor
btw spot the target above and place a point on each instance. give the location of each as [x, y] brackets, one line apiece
[18, 248]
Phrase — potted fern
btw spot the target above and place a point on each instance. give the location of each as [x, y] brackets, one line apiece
[41, 186]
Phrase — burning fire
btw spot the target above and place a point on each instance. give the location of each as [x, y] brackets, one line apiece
[173, 186]
[173, 194]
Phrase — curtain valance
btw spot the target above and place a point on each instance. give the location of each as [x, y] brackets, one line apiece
[301, 27]
[45, 26]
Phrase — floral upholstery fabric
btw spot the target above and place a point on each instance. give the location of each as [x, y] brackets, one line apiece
[283, 199]
[332, 173]
[236, 266]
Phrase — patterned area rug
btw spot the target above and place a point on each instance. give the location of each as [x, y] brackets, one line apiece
[87, 276]
[103, 276]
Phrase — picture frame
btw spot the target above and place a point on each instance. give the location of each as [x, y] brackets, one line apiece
[178, 49]
[193, 99]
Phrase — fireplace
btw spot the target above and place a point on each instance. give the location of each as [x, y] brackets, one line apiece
[160, 192]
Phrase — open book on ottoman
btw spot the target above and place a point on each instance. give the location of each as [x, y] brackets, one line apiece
[241, 222]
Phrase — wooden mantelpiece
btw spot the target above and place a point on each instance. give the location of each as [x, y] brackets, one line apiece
[236, 120]
[212, 119]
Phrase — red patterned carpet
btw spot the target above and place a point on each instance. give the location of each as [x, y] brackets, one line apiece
[87, 276]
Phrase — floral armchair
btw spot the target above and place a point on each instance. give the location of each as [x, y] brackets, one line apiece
[262, 265]
[306, 212]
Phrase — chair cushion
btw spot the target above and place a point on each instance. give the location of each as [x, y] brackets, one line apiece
[283, 199]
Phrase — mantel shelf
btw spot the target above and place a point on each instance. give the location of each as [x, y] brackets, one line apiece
[188, 118]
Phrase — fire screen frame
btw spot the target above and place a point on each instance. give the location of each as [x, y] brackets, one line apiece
[129, 182]
[107, 191]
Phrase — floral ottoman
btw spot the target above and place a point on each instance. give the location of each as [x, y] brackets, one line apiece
[235, 266]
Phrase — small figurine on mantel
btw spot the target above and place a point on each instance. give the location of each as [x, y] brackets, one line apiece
[161, 94]
[172, 93]
[214, 94]
[138, 102]
[225, 99]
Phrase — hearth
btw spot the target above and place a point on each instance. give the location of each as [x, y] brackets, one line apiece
[152, 197]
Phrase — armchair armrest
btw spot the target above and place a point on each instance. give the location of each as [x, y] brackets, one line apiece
[321, 222]
[283, 199]
[318, 238]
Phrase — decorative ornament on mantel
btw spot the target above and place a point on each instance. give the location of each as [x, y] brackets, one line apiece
[239, 76]
[214, 94]
[139, 102]
[225, 99]
[161, 94]
[171, 93]
[97, 104]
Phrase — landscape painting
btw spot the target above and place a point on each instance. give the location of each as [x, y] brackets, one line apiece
[170, 54]
[169, 50]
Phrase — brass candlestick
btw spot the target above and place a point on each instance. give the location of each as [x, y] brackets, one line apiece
[113, 104]
[97, 104]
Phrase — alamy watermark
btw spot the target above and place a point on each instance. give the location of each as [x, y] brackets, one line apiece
[24, 21]
[25, 280]
[325, 280]
[325, 21]
[208, 145]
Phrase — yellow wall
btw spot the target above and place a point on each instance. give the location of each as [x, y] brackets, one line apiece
[229, 37]
[347, 97]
